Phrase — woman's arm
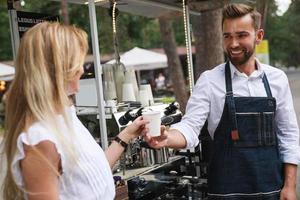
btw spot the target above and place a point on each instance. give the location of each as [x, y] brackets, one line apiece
[40, 169]
[115, 150]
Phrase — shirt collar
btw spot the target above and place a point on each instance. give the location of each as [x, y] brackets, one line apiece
[257, 73]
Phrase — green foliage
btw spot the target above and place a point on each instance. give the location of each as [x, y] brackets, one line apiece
[167, 100]
[5, 42]
[281, 31]
[132, 30]
[138, 31]
[30, 6]
[283, 34]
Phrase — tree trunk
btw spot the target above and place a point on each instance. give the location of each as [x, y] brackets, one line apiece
[207, 31]
[17, 5]
[175, 69]
[64, 12]
[262, 8]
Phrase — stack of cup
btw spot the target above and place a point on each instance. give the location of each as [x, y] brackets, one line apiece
[131, 78]
[110, 106]
[119, 78]
[147, 87]
[109, 87]
[143, 98]
[128, 92]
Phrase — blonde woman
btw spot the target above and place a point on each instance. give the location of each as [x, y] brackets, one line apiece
[50, 154]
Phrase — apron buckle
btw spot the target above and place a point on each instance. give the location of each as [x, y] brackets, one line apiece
[235, 135]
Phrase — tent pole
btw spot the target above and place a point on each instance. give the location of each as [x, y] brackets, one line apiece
[13, 22]
[98, 72]
[138, 72]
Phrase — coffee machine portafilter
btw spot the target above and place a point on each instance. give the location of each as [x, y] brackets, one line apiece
[130, 116]
[171, 116]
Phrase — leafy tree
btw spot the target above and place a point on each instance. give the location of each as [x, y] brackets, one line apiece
[283, 35]
[132, 30]
[5, 43]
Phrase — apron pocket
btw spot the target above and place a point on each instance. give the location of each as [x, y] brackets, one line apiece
[255, 129]
[268, 133]
[249, 128]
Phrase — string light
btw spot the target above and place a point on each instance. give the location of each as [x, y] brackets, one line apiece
[114, 26]
[114, 18]
[188, 50]
[2, 85]
[22, 3]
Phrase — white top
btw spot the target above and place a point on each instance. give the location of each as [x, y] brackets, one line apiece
[208, 97]
[91, 178]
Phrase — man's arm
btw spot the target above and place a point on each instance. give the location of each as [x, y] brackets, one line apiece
[290, 176]
[288, 136]
[185, 133]
[172, 139]
[176, 139]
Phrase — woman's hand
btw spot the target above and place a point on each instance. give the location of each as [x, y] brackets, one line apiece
[135, 129]
[157, 142]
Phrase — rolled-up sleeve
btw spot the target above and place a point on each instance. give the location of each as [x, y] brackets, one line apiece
[287, 126]
[197, 110]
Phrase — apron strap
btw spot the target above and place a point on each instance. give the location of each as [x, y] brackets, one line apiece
[267, 86]
[230, 101]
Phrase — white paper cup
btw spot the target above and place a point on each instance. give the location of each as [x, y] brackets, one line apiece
[128, 92]
[154, 122]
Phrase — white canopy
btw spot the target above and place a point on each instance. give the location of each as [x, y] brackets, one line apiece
[6, 72]
[142, 59]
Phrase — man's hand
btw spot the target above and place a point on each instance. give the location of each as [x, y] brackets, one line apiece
[288, 193]
[158, 142]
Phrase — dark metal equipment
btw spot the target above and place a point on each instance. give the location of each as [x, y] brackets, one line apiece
[170, 181]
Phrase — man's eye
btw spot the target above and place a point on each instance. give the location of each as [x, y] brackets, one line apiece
[242, 35]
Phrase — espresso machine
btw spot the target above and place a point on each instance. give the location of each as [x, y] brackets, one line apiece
[150, 173]
[140, 154]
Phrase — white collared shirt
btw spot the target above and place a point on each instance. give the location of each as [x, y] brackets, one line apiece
[90, 178]
[208, 97]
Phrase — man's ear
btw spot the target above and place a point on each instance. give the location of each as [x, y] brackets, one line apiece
[259, 36]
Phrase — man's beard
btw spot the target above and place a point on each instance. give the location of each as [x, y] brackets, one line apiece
[237, 61]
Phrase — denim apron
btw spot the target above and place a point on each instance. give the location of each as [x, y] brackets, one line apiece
[245, 162]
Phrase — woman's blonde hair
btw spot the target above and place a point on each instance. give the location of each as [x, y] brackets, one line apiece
[49, 57]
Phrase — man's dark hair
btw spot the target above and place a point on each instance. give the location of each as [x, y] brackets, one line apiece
[232, 11]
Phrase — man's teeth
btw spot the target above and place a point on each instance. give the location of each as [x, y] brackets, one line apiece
[236, 52]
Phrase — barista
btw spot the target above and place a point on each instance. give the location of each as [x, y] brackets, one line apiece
[249, 110]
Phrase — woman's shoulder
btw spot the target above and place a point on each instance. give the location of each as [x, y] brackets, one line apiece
[37, 132]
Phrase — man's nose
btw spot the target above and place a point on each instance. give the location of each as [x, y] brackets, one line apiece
[234, 43]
